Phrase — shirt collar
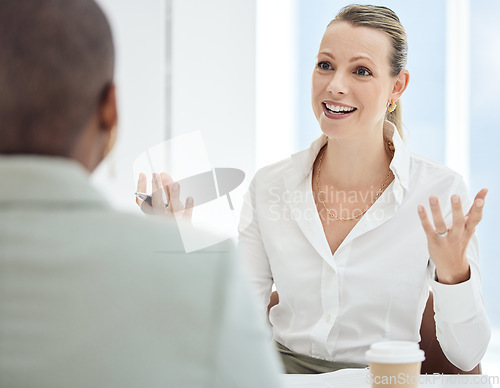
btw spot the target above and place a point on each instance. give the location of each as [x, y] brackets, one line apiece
[400, 165]
[28, 178]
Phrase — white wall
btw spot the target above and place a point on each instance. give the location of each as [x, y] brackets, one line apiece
[139, 33]
[213, 85]
[277, 73]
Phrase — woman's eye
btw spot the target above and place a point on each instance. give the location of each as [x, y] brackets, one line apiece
[363, 72]
[324, 66]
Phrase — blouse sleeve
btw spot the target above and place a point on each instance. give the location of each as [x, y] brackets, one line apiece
[462, 326]
[252, 250]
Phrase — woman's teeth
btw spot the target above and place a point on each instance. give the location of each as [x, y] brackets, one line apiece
[339, 109]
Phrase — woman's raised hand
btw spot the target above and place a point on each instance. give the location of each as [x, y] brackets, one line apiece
[448, 245]
[164, 198]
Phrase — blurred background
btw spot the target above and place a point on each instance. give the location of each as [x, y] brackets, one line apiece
[239, 72]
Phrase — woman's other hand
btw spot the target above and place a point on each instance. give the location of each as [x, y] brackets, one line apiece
[164, 198]
[448, 245]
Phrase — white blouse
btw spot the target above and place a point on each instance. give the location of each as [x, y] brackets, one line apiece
[376, 285]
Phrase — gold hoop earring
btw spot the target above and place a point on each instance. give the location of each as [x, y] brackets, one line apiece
[391, 106]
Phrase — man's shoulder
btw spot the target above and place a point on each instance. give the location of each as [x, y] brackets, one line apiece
[159, 235]
[101, 234]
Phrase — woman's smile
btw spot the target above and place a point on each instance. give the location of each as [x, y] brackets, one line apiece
[336, 111]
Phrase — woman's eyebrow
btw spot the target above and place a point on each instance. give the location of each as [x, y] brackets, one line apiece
[358, 57]
[327, 54]
[354, 59]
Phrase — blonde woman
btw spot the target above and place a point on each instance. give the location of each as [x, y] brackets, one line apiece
[341, 229]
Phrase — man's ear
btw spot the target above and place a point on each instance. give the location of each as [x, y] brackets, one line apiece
[400, 85]
[108, 118]
[108, 113]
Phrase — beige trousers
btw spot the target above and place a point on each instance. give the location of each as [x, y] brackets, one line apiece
[299, 363]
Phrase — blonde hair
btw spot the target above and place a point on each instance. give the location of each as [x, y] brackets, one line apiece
[384, 19]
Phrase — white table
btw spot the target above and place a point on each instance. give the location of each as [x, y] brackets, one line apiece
[359, 378]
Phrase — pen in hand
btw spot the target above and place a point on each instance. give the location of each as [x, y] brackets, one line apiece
[148, 199]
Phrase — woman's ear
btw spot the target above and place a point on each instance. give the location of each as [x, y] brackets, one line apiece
[402, 80]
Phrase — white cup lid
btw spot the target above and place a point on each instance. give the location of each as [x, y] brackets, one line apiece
[395, 352]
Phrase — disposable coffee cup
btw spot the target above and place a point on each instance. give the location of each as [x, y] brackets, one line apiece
[394, 364]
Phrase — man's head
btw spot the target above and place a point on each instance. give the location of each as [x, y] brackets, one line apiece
[56, 79]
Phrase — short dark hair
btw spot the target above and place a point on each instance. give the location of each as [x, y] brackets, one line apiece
[56, 63]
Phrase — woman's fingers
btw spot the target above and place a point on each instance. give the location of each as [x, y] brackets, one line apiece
[426, 222]
[165, 191]
[457, 212]
[447, 247]
[475, 213]
[188, 212]
[174, 193]
[437, 216]
[158, 196]
[185, 211]
[461, 222]
[142, 185]
[166, 180]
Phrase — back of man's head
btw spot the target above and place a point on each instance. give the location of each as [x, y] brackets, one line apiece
[56, 64]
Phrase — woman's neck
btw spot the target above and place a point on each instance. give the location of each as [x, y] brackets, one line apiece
[355, 164]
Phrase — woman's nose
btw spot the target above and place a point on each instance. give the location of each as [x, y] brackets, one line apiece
[337, 84]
